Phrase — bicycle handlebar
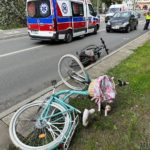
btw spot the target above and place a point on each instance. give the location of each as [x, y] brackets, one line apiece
[122, 83]
[104, 45]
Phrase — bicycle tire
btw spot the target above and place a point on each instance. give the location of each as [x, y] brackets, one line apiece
[16, 136]
[96, 49]
[73, 65]
[90, 47]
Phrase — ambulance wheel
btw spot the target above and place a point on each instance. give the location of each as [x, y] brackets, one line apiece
[68, 37]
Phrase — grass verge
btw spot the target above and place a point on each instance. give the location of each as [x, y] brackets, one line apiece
[128, 125]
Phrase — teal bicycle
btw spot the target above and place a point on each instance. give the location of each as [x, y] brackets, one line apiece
[51, 124]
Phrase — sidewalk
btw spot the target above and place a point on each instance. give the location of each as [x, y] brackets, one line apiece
[94, 70]
[7, 34]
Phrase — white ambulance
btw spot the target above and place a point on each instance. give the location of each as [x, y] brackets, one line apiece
[60, 19]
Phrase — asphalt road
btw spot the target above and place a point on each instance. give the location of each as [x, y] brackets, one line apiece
[27, 66]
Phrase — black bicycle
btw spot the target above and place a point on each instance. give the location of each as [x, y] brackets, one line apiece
[92, 53]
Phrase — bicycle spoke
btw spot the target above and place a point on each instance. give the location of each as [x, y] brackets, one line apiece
[51, 131]
[56, 128]
[58, 123]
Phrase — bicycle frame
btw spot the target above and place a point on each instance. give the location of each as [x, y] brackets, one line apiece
[68, 108]
[61, 101]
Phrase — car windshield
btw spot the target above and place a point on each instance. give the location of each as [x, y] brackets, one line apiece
[113, 10]
[122, 15]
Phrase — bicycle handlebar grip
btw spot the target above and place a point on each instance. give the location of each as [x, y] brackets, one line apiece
[102, 41]
[104, 45]
[122, 83]
[107, 51]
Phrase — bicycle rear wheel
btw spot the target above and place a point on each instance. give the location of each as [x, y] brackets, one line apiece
[28, 132]
[90, 47]
[96, 50]
[72, 72]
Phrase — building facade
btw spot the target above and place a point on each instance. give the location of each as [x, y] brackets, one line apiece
[143, 4]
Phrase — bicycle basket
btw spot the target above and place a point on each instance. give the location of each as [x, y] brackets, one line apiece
[102, 88]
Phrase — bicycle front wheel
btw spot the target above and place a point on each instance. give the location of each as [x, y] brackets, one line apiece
[28, 132]
[72, 73]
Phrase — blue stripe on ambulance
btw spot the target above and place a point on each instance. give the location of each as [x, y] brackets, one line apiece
[32, 20]
[48, 20]
[78, 19]
[69, 19]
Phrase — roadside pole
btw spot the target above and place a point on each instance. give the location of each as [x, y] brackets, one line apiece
[133, 4]
[97, 7]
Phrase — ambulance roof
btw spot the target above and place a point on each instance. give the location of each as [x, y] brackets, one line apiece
[87, 1]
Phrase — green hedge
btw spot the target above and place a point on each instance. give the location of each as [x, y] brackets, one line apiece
[12, 14]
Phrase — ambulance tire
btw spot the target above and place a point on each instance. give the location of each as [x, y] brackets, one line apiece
[68, 37]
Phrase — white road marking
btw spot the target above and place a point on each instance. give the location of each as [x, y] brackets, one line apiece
[28, 49]
[20, 51]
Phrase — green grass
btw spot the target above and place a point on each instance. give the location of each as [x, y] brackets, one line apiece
[128, 125]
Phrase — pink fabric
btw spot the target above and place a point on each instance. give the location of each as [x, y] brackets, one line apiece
[104, 89]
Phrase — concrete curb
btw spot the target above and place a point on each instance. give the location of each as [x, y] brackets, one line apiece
[13, 36]
[8, 34]
[126, 48]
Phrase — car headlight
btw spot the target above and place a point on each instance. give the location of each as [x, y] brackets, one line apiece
[125, 23]
[108, 23]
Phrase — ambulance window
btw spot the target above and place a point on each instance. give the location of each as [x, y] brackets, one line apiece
[31, 9]
[44, 8]
[77, 9]
[40, 8]
[91, 10]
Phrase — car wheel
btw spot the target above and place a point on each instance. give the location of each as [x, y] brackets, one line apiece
[128, 29]
[68, 37]
[108, 30]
